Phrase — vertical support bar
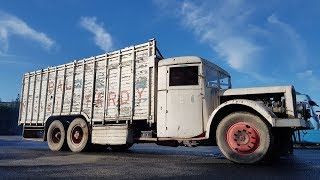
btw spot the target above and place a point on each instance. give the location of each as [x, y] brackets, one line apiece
[46, 98]
[119, 85]
[82, 88]
[21, 100]
[33, 93]
[55, 89]
[27, 104]
[155, 81]
[93, 89]
[105, 88]
[72, 87]
[40, 90]
[63, 89]
[149, 82]
[108, 88]
[133, 67]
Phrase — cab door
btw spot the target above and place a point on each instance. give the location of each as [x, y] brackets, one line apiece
[180, 104]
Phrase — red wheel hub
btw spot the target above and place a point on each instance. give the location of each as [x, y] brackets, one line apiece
[243, 138]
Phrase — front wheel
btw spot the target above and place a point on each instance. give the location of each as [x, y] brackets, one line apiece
[78, 135]
[243, 138]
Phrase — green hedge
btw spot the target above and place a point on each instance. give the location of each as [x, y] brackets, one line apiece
[9, 113]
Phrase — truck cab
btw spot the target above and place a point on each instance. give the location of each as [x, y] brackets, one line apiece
[188, 90]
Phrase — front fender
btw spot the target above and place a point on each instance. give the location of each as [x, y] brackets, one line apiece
[256, 106]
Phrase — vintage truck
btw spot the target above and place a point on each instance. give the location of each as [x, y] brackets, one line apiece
[134, 95]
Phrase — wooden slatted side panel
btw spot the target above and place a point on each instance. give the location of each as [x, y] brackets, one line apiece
[24, 99]
[59, 90]
[67, 98]
[126, 86]
[113, 87]
[100, 84]
[30, 99]
[88, 88]
[43, 97]
[50, 93]
[141, 85]
[77, 88]
[36, 98]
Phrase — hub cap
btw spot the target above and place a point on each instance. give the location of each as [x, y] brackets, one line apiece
[76, 135]
[56, 135]
[243, 138]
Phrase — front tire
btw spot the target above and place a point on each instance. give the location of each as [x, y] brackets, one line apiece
[56, 136]
[78, 135]
[243, 138]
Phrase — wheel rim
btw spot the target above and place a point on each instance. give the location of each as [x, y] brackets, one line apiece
[243, 138]
[76, 135]
[56, 135]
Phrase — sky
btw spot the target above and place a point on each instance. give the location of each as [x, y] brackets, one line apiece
[260, 43]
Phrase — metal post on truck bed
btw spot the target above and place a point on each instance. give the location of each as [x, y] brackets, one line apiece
[105, 88]
[93, 89]
[40, 90]
[27, 103]
[82, 86]
[45, 100]
[54, 91]
[63, 88]
[133, 82]
[72, 86]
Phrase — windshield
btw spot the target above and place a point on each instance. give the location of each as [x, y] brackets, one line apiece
[216, 79]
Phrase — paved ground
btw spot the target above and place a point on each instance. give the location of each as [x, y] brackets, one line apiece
[33, 160]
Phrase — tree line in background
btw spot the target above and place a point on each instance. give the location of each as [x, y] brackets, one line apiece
[9, 114]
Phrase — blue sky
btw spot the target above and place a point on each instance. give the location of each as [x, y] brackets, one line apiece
[261, 43]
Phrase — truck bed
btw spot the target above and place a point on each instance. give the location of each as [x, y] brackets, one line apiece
[114, 86]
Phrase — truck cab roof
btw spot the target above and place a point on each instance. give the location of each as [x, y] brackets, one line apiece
[191, 60]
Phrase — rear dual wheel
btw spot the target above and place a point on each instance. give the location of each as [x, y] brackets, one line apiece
[243, 138]
[56, 136]
[78, 135]
[75, 136]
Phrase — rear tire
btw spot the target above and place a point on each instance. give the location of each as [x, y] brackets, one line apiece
[78, 135]
[56, 136]
[243, 138]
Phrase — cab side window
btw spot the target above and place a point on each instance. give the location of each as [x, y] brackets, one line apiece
[183, 76]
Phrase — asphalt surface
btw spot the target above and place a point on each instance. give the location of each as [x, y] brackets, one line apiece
[21, 159]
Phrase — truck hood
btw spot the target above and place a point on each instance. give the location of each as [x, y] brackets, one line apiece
[288, 92]
[256, 90]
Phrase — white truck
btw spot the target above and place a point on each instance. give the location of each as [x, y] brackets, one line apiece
[133, 95]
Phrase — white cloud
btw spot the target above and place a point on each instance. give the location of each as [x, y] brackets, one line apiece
[101, 37]
[309, 79]
[222, 28]
[246, 40]
[13, 26]
[294, 41]
[305, 74]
